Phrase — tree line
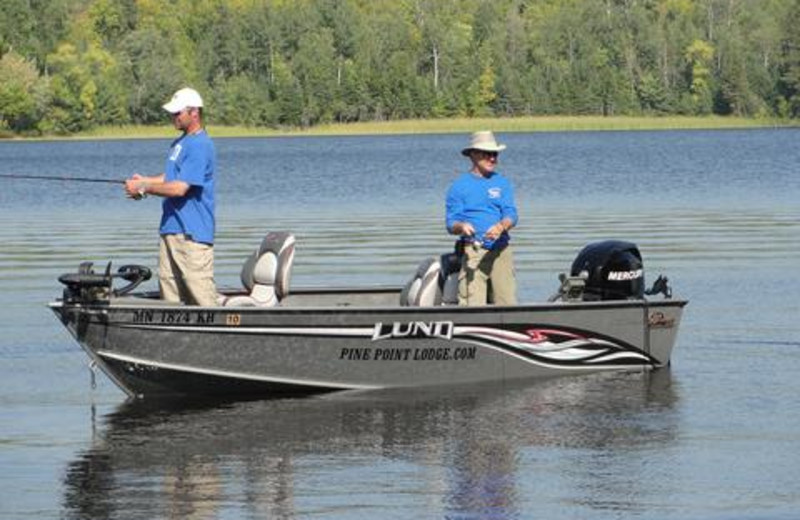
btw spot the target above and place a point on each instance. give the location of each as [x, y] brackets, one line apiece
[71, 65]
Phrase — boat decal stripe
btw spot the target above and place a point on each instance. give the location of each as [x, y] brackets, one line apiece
[555, 364]
[587, 352]
[544, 346]
[346, 332]
[231, 374]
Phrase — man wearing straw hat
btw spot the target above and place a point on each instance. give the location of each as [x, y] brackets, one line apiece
[480, 209]
[186, 252]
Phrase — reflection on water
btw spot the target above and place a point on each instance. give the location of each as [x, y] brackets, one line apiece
[478, 447]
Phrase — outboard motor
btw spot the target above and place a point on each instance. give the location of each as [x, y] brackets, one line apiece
[614, 271]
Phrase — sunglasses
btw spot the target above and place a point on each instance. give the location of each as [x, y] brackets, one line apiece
[489, 155]
[179, 112]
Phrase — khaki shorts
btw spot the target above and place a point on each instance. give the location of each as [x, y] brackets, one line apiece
[186, 271]
[481, 267]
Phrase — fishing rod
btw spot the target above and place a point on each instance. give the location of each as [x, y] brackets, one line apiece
[59, 178]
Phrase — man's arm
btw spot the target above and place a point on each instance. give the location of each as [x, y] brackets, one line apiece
[138, 186]
[454, 211]
[166, 189]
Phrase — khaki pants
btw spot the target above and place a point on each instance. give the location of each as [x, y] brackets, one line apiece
[481, 266]
[186, 271]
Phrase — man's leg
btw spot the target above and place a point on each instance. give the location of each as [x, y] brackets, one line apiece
[503, 276]
[195, 262]
[472, 279]
[167, 281]
[199, 278]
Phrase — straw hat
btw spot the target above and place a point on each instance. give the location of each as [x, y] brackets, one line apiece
[483, 141]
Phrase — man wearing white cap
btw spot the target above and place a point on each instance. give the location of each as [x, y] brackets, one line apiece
[481, 210]
[186, 252]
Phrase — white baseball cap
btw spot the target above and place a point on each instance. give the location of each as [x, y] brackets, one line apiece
[184, 98]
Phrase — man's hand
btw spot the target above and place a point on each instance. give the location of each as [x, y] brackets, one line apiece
[464, 229]
[494, 232]
[135, 187]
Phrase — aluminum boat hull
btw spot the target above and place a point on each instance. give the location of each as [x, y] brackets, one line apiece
[322, 340]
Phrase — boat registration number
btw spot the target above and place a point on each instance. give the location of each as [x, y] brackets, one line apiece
[173, 317]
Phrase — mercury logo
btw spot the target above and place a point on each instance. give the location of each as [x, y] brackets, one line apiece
[622, 276]
[414, 329]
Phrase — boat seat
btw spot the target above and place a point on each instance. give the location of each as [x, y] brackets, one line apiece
[423, 289]
[266, 272]
[435, 282]
[451, 266]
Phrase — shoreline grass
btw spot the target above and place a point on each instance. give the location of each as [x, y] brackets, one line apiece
[441, 126]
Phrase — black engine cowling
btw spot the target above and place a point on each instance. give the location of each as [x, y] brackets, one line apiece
[615, 270]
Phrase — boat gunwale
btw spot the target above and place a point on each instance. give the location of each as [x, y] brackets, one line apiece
[118, 305]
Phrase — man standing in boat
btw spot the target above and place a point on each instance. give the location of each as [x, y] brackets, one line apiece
[186, 251]
[481, 210]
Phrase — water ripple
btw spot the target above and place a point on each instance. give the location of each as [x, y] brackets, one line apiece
[379, 247]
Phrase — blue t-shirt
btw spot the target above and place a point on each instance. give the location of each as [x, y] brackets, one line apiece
[482, 202]
[192, 160]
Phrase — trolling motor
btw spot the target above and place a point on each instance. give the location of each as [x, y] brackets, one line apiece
[86, 286]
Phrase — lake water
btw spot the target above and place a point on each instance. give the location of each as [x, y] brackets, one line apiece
[717, 436]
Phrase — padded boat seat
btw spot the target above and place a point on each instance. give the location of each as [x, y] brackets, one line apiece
[451, 266]
[266, 273]
[435, 282]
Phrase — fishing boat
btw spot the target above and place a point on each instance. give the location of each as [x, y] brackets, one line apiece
[269, 339]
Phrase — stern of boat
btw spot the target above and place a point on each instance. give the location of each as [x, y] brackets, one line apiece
[662, 322]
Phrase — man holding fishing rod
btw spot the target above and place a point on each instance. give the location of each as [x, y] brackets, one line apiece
[186, 251]
[480, 209]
